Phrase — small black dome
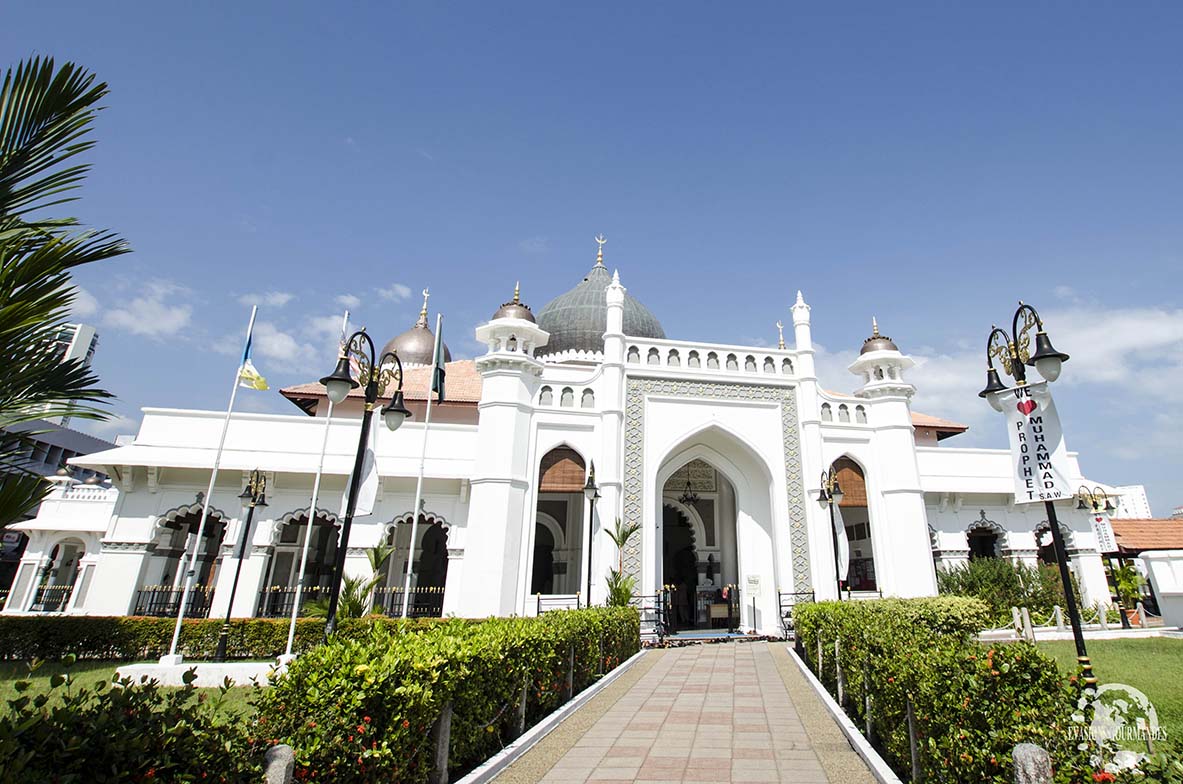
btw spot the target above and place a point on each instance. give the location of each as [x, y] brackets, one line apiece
[515, 309]
[877, 342]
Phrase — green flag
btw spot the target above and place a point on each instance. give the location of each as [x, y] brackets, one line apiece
[437, 375]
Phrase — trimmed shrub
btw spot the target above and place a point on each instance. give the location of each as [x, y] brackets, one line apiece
[120, 638]
[971, 704]
[77, 734]
[362, 708]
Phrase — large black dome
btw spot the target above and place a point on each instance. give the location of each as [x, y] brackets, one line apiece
[578, 319]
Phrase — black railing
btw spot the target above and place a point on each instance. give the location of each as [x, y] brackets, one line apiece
[3, 597]
[163, 601]
[278, 600]
[426, 602]
[51, 598]
[789, 600]
[652, 611]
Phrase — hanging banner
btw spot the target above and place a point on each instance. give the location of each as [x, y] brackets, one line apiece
[1036, 444]
[1103, 530]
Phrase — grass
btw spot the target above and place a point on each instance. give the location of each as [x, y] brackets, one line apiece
[86, 673]
[1154, 666]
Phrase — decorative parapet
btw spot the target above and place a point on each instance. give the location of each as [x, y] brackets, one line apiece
[709, 359]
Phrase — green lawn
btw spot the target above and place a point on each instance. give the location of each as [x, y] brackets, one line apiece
[1154, 666]
[86, 673]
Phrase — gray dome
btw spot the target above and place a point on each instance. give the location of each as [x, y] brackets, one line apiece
[578, 319]
[877, 342]
[415, 346]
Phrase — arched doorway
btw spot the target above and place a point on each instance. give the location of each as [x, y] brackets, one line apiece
[856, 518]
[729, 505]
[983, 543]
[680, 574]
[162, 582]
[58, 576]
[283, 572]
[557, 565]
[429, 568]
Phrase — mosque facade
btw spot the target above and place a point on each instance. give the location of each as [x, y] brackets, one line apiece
[715, 452]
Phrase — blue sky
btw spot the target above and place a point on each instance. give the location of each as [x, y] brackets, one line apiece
[929, 164]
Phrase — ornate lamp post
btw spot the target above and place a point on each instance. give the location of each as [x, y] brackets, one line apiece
[1013, 352]
[376, 376]
[254, 495]
[1096, 500]
[830, 495]
[591, 491]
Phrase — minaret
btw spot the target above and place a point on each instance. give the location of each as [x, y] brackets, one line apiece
[498, 502]
[609, 474]
[906, 567]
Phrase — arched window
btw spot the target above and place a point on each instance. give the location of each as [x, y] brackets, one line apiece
[857, 519]
[588, 399]
[654, 357]
[692, 360]
[749, 364]
[860, 415]
[557, 565]
[512, 343]
[568, 398]
[633, 354]
[58, 577]
[843, 413]
[878, 374]
[786, 366]
[769, 365]
[732, 362]
[827, 413]
[983, 543]
[673, 360]
[712, 361]
[546, 397]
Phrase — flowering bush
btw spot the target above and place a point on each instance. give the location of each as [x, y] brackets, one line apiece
[123, 731]
[1003, 584]
[362, 709]
[971, 704]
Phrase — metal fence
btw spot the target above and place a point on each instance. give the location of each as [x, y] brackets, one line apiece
[51, 598]
[163, 601]
[426, 602]
[278, 600]
[789, 600]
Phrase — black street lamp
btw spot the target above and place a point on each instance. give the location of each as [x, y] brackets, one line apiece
[255, 494]
[591, 491]
[831, 495]
[1096, 500]
[377, 376]
[1013, 352]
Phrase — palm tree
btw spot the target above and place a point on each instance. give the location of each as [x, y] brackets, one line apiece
[620, 535]
[620, 585]
[46, 114]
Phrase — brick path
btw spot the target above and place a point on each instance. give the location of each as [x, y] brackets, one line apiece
[703, 713]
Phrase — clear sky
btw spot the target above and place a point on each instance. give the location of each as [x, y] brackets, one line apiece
[926, 164]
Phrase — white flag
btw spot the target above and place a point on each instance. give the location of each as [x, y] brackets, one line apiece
[843, 544]
[367, 491]
[1036, 444]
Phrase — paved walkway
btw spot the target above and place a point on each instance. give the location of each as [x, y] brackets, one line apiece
[724, 712]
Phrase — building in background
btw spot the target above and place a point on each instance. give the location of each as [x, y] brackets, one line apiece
[1132, 502]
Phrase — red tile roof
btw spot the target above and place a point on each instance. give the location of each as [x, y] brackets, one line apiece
[936, 423]
[462, 385]
[1134, 536]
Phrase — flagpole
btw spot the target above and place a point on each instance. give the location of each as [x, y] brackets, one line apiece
[422, 463]
[173, 657]
[324, 443]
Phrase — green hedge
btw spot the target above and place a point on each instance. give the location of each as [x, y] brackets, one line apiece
[1003, 584]
[119, 638]
[971, 703]
[361, 709]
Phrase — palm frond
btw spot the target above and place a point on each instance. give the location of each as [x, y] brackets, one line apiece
[20, 492]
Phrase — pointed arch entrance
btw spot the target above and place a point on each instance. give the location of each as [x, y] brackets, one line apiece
[726, 545]
[557, 564]
[856, 516]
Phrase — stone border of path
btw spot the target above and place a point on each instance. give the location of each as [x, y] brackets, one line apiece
[878, 766]
[507, 756]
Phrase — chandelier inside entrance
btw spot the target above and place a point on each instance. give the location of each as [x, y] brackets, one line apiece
[689, 496]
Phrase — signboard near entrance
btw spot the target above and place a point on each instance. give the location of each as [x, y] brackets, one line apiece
[753, 585]
[1036, 444]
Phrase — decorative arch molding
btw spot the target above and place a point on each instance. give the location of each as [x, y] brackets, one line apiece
[551, 525]
[697, 528]
[428, 518]
[1044, 527]
[982, 524]
[301, 516]
[634, 439]
[164, 519]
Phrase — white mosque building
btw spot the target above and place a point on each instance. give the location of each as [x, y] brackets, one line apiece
[715, 450]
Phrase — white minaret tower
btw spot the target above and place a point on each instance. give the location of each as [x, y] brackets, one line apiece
[906, 568]
[498, 510]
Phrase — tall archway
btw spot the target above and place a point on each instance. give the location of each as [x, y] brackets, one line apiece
[58, 576]
[283, 568]
[559, 568]
[162, 579]
[737, 550]
[856, 518]
[429, 567]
